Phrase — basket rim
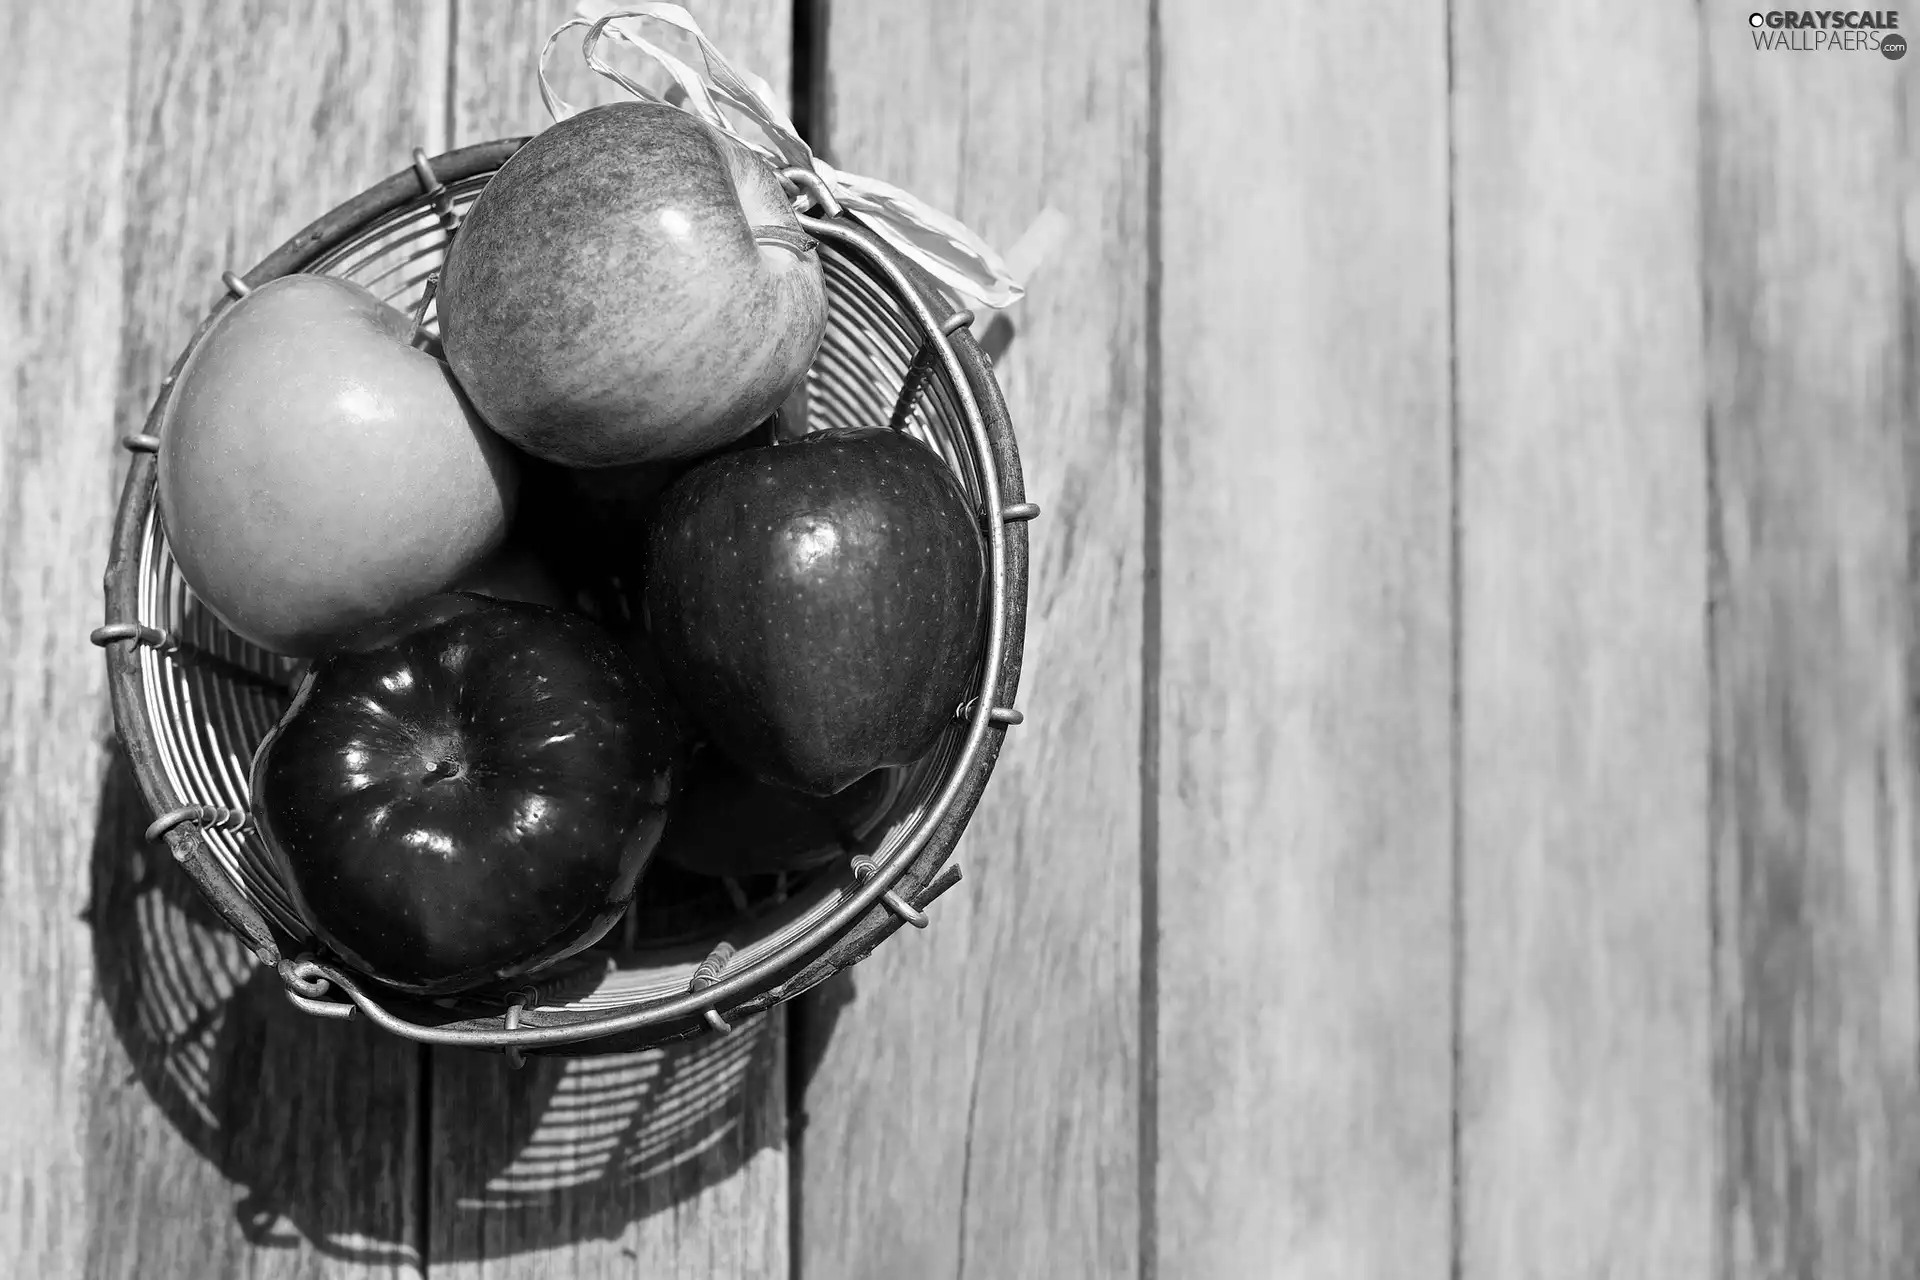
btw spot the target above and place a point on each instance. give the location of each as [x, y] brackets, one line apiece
[869, 912]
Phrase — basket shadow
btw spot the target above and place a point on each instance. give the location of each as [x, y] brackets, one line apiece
[318, 1125]
[584, 1147]
[312, 1123]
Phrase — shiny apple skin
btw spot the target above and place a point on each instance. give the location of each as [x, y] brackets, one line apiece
[817, 607]
[316, 472]
[632, 286]
[467, 792]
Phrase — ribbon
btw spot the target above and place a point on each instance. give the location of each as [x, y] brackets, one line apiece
[937, 242]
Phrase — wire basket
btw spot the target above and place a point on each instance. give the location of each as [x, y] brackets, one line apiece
[192, 701]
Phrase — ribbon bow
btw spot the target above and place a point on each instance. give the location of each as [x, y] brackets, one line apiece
[947, 251]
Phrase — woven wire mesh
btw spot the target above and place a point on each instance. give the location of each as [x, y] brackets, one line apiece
[211, 697]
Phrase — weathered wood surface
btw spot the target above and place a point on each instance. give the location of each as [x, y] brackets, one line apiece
[62, 212]
[1465, 824]
[975, 1109]
[1810, 355]
[1304, 774]
[663, 1163]
[188, 1120]
[1585, 1108]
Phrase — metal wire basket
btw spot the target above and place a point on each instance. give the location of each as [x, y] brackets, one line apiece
[192, 701]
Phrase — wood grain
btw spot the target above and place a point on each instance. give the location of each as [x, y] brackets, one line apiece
[1586, 1114]
[667, 1162]
[496, 94]
[975, 1108]
[662, 1163]
[1304, 780]
[230, 1134]
[1812, 230]
[63, 210]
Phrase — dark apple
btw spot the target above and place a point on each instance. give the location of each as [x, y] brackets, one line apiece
[818, 606]
[728, 823]
[466, 792]
[589, 526]
[516, 573]
[588, 530]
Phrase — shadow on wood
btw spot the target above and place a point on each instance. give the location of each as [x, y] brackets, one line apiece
[568, 1150]
[315, 1123]
[319, 1125]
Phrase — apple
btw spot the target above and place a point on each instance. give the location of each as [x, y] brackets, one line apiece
[727, 823]
[818, 607]
[589, 527]
[632, 286]
[317, 471]
[466, 792]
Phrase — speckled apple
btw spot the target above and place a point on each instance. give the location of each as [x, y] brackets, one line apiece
[818, 607]
[632, 286]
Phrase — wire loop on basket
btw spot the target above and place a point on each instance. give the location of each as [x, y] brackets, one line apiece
[515, 1058]
[436, 191]
[863, 869]
[810, 193]
[138, 632]
[204, 815]
[1007, 716]
[304, 977]
[305, 986]
[921, 370]
[191, 701]
[705, 976]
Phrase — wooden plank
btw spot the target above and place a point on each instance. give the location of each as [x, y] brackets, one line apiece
[1810, 249]
[1303, 775]
[662, 1163]
[231, 1134]
[667, 1162]
[496, 94]
[975, 1110]
[63, 209]
[1586, 1113]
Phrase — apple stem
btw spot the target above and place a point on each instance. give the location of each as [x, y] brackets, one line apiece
[441, 769]
[427, 293]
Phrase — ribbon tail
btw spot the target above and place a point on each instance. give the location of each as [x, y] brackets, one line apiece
[941, 245]
[558, 108]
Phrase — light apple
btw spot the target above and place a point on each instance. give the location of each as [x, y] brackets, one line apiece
[631, 287]
[317, 471]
